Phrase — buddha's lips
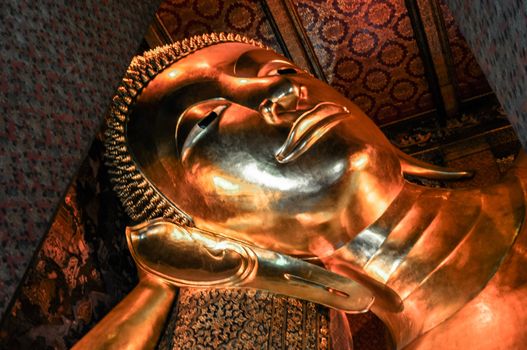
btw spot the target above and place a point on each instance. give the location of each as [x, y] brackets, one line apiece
[309, 128]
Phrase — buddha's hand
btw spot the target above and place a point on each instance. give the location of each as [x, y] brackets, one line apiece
[190, 257]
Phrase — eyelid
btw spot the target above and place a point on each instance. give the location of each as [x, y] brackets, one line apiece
[283, 71]
[286, 70]
[211, 116]
[204, 122]
[272, 68]
[199, 129]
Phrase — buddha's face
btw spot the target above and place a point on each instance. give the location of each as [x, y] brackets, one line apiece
[252, 147]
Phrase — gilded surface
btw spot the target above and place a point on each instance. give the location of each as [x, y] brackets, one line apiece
[189, 257]
[261, 170]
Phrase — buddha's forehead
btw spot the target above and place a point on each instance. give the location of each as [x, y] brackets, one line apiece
[220, 63]
[229, 56]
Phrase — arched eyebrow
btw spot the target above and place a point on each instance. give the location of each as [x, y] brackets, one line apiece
[249, 64]
[200, 115]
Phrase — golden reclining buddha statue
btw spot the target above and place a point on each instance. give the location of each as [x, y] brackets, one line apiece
[244, 171]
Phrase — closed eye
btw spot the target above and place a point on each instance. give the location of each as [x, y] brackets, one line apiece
[285, 71]
[200, 129]
[203, 123]
[278, 68]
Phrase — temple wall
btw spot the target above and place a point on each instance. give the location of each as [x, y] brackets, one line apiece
[496, 31]
[368, 52]
[61, 62]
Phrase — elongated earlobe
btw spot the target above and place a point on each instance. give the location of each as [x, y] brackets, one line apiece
[416, 167]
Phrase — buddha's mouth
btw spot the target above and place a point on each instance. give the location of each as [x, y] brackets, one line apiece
[308, 128]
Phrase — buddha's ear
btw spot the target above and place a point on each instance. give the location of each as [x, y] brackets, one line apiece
[418, 168]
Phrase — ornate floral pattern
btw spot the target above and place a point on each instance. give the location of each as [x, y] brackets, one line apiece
[247, 319]
[368, 52]
[424, 133]
[184, 19]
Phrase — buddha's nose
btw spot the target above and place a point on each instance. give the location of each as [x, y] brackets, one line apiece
[284, 99]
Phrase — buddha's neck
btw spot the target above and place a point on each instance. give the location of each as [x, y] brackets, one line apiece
[435, 249]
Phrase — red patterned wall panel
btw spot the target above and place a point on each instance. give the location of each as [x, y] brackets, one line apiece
[184, 18]
[368, 52]
[469, 79]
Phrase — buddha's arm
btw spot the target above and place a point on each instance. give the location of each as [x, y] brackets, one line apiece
[170, 256]
[136, 322]
[190, 257]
